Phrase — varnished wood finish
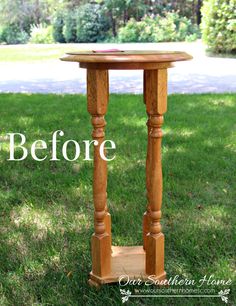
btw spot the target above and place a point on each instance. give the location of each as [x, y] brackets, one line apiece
[129, 261]
[126, 66]
[109, 263]
[146, 216]
[156, 105]
[144, 60]
[148, 56]
[97, 96]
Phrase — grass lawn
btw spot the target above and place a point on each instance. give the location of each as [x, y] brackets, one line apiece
[46, 210]
[31, 52]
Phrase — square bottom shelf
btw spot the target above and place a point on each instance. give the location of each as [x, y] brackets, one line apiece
[127, 261]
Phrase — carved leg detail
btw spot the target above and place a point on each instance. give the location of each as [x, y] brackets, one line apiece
[97, 82]
[156, 101]
[146, 216]
[155, 239]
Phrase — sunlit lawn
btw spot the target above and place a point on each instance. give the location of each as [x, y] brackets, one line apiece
[46, 210]
[31, 52]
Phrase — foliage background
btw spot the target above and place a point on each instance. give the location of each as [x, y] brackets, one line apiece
[47, 21]
[219, 25]
[91, 21]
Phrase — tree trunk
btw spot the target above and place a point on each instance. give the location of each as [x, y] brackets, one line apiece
[125, 19]
[37, 12]
[198, 11]
[113, 24]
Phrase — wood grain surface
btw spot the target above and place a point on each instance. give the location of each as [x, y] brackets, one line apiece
[130, 56]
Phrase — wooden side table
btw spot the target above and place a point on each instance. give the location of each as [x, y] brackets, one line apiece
[110, 262]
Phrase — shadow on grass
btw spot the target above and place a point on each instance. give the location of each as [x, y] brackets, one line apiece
[46, 208]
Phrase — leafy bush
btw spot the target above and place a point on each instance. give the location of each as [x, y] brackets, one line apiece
[1, 29]
[130, 32]
[219, 25]
[58, 24]
[91, 23]
[41, 34]
[12, 34]
[191, 37]
[69, 27]
[170, 27]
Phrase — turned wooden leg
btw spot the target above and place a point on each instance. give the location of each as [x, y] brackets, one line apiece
[146, 216]
[156, 104]
[108, 221]
[97, 95]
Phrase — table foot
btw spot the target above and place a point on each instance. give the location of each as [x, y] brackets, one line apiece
[128, 262]
[155, 254]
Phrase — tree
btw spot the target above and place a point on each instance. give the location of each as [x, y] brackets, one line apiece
[219, 25]
[24, 13]
[114, 9]
[91, 23]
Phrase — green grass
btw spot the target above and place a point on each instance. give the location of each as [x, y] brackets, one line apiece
[30, 52]
[46, 207]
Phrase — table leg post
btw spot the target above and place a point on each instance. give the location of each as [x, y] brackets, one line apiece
[146, 216]
[97, 95]
[156, 104]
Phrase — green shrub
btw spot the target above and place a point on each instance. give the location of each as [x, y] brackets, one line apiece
[91, 23]
[41, 34]
[170, 27]
[58, 24]
[219, 25]
[130, 32]
[146, 29]
[191, 37]
[1, 29]
[69, 27]
[12, 34]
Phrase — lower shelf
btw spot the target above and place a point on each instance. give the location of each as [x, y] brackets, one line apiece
[125, 261]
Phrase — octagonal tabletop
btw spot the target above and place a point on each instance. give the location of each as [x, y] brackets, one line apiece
[128, 59]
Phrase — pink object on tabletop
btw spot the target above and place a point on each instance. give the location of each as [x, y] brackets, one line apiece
[107, 51]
